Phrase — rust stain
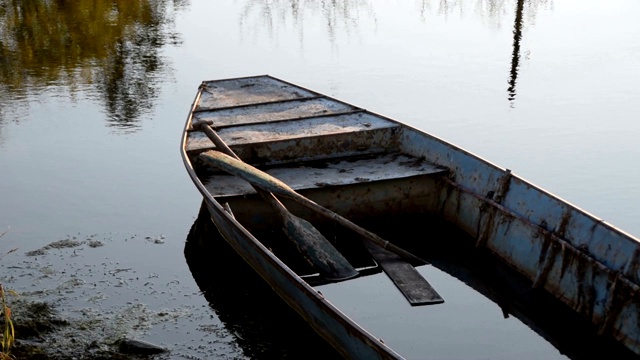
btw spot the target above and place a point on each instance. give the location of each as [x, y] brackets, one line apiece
[612, 307]
[561, 233]
[548, 251]
[487, 219]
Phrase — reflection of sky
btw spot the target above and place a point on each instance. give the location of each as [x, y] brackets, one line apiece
[388, 38]
[332, 18]
[355, 20]
[444, 72]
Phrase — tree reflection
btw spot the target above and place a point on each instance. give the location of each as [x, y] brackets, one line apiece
[342, 15]
[493, 12]
[110, 48]
[519, 23]
[515, 56]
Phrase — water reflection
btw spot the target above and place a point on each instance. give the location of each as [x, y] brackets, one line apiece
[346, 17]
[515, 56]
[338, 16]
[107, 48]
[493, 12]
[532, 8]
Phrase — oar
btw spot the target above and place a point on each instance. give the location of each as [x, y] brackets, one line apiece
[266, 182]
[314, 247]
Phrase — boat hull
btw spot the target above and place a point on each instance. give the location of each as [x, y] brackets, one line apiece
[584, 262]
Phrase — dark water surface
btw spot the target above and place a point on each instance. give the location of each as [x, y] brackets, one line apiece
[94, 95]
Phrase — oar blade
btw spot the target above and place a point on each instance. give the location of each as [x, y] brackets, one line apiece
[317, 250]
[415, 288]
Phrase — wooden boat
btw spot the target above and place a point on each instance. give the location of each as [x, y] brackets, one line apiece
[337, 165]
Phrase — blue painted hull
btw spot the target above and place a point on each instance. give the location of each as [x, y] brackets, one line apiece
[581, 260]
[585, 262]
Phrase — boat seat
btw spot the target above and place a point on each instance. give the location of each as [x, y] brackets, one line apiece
[302, 129]
[317, 174]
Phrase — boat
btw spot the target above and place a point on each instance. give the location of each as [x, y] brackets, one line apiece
[280, 166]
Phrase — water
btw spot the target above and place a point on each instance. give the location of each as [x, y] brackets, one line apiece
[91, 108]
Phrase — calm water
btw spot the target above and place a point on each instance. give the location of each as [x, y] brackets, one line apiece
[93, 98]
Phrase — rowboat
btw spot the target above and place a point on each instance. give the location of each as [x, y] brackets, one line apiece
[282, 169]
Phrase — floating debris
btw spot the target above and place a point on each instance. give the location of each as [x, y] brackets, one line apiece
[139, 347]
[96, 306]
[95, 243]
[156, 240]
[60, 244]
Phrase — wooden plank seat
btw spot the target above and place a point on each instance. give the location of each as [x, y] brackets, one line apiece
[318, 174]
[306, 139]
[273, 111]
[245, 91]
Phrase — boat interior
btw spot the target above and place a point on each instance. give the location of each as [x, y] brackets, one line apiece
[333, 153]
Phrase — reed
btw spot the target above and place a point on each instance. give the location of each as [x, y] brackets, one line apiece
[8, 332]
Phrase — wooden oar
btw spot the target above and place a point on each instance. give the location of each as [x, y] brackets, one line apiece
[266, 182]
[314, 247]
[404, 275]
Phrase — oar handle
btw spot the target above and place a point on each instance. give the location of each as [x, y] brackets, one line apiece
[205, 126]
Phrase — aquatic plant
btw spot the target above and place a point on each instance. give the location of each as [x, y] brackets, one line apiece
[8, 333]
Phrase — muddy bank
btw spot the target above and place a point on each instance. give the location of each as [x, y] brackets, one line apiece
[43, 333]
[102, 297]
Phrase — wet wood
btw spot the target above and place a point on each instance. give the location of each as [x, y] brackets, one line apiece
[243, 91]
[281, 131]
[270, 112]
[415, 288]
[312, 175]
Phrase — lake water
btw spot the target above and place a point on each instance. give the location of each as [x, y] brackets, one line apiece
[93, 98]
